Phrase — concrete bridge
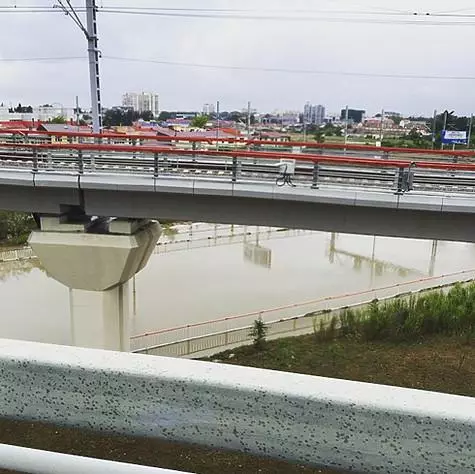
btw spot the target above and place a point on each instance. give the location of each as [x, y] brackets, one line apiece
[391, 197]
[349, 425]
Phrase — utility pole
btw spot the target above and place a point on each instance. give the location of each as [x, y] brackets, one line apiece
[77, 112]
[469, 134]
[218, 125]
[248, 124]
[94, 78]
[434, 128]
[346, 125]
[381, 127]
[90, 32]
[446, 113]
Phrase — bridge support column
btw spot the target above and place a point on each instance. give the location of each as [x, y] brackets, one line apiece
[95, 260]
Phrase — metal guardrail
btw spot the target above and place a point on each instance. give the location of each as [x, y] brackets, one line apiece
[294, 319]
[311, 169]
[35, 461]
[314, 420]
[110, 137]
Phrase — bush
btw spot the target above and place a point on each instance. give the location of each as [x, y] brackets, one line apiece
[15, 227]
[407, 319]
[259, 333]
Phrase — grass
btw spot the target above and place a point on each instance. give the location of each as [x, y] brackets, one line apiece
[429, 364]
[409, 319]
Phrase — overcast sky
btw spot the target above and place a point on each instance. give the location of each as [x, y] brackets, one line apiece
[386, 47]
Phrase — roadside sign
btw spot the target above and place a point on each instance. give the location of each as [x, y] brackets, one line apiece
[454, 137]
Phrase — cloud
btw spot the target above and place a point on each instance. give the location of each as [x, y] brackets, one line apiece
[296, 45]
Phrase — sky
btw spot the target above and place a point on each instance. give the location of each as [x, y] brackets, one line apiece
[331, 52]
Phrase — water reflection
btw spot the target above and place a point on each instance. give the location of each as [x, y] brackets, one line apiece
[378, 267]
[202, 272]
[256, 253]
[16, 268]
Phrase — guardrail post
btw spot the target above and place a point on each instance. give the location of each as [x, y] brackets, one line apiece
[80, 162]
[315, 176]
[155, 165]
[235, 169]
[35, 160]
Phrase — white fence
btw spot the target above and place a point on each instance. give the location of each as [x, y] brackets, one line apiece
[11, 255]
[294, 319]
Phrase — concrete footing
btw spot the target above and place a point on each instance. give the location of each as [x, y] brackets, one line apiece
[96, 267]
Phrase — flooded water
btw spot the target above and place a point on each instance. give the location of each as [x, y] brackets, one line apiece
[206, 272]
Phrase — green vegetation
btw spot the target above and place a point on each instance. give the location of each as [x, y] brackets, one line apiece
[59, 119]
[200, 121]
[436, 363]
[118, 116]
[15, 227]
[410, 319]
[319, 136]
[258, 334]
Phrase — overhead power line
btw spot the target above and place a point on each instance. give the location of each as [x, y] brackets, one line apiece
[339, 16]
[248, 68]
[288, 70]
[50, 59]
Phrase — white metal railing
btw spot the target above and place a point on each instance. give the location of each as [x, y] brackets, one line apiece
[35, 461]
[10, 255]
[191, 339]
[352, 426]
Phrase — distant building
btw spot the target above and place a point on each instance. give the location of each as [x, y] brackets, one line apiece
[354, 115]
[209, 109]
[41, 113]
[313, 114]
[142, 102]
[377, 123]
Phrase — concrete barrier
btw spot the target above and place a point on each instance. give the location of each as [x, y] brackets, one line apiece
[323, 422]
[46, 462]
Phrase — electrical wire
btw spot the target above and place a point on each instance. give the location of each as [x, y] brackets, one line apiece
[289, 71]
[248, 68]
[248, 14]
[51, 59]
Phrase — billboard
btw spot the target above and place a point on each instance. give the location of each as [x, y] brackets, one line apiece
[454, 137]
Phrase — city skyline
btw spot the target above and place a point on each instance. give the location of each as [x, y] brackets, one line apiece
[338, 56]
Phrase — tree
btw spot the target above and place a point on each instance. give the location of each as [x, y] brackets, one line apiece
[320, 136]
[200, 121]
[118, 116]
[259, 333]
[164, 116]
[237, 116]
[147, 116]
[58, 119]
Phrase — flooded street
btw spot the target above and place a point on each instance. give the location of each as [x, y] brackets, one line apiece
[205, 272]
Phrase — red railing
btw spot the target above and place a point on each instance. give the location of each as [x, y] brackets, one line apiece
[270, 155]
[243, 141]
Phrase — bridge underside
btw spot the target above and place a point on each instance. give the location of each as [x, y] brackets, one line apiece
[291, 212]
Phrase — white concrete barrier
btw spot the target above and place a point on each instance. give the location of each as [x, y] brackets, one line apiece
[324, 422]
[35, 461]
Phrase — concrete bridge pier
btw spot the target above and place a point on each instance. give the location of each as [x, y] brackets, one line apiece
[96, 259]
